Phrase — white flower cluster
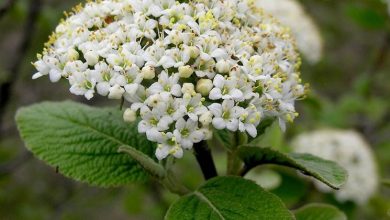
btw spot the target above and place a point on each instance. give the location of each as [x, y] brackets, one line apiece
[292, 14]
[351, 151]
[184, 67]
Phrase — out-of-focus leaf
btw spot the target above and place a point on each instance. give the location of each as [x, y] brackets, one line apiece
[319, 212]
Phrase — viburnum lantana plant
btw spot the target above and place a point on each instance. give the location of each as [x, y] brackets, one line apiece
[190, 73]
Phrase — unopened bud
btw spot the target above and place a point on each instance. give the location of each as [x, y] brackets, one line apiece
[148, 72]
[204, 86]
[129, 115]
[91, 57]
[185, 71]
[222, 66]
[194, 51]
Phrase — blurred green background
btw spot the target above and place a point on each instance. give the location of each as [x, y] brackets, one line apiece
[350, 89]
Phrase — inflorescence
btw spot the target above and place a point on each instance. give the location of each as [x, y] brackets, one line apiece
[186, 68]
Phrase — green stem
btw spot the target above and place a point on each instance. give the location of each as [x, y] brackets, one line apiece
[171, 183]
[234, 164]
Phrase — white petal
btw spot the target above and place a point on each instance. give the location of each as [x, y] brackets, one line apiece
[232, 125]
[219, 81]
[236, 94]
[251, 129]
[215, 109]
[164, 122]
[143, 126]
[186, 144]
[131, 89]
[197, 136]
[178, 152]
[219, 123]
[103, 88]
[176, 90]
[54, 75]
[162, 152]
[219, 53]
[180, 124]
[215, 94]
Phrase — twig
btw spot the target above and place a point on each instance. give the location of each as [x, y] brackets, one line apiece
[14, 69]
[205, 160]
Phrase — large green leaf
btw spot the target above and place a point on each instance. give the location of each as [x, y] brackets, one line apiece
[82, 142]
[326, 171]
[229, 198]
[319, 212]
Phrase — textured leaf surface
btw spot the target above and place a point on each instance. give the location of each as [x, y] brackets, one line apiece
[326, 171]
[82, 142]
[319, 212]
[229, 198]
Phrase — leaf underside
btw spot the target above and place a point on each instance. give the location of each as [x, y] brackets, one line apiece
[82, 142]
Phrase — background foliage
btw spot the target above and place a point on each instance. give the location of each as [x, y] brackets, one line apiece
[350, 90]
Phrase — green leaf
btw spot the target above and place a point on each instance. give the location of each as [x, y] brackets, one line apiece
[365, 16]
[229, 198]
[319, 212]
[82, 142]
[326, 171]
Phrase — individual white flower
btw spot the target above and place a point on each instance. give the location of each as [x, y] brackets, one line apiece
[225, 115]
[249, 120]
[292, 14]
[168, 146]
[187, 133]
[167, 84]
[225, 89]
[193, 106]
[351, 151]
[185, 68]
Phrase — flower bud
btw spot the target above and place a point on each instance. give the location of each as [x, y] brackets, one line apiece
[91, 57]
[204, 86]
[148, 72]
[129, 115]
[222, 66]
[116, 92]
[188, 88]
[206, 118]
[194, 51]
[185, 71]
[73, 54]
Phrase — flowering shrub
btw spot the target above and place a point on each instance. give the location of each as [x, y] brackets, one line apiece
[352, 152]
[191, 71]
